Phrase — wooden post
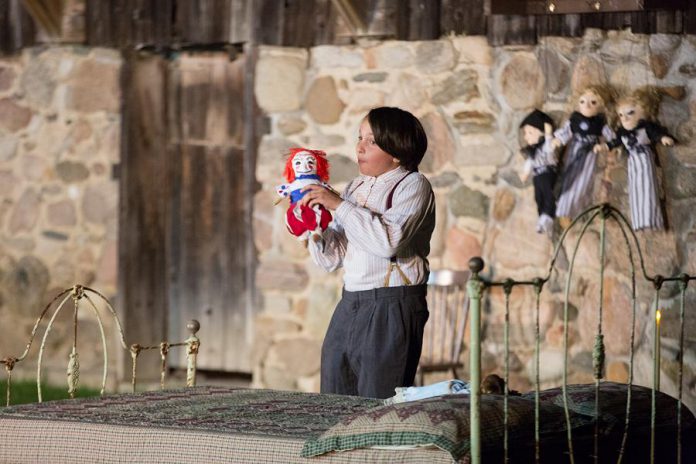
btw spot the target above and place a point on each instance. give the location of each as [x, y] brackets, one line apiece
[475, 289]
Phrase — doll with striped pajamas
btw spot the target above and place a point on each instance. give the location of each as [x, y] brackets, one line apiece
[639, 134]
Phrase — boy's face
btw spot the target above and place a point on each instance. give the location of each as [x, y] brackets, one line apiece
[531, 134]
[630, 114]
[372, 160]
[304, 163]
[590, 104]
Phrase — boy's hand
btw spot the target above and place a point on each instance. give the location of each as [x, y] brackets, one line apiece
[320, 195]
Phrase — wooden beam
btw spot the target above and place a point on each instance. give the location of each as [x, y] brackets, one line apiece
[48, 14]
[347, 11]
[540, 7]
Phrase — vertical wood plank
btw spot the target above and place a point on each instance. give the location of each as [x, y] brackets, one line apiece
[511, 30]
[298, 31]
[463, 17]
[142, 276]
[325, 30]
[16, 27]
[425, 20]
[690, 18]
[271, 26]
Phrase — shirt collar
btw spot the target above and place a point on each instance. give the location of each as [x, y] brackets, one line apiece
[387, 176]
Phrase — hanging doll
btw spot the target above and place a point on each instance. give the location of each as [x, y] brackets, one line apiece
[639, 133]
[304, 167]
[541, 161]
[583, 130]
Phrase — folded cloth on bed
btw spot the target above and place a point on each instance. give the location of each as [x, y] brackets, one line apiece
[447, 387]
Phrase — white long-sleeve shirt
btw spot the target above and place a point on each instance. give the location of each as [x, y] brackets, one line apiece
[364, 235]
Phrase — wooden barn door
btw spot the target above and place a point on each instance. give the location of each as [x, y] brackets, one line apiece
[184, 218]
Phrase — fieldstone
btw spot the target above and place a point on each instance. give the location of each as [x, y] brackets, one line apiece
[518, 233]
[680, 179]
[572, 312]
[281, 275]
[7, 78]
[617, 371]
[279, 80]
[555, 335]
[556, 69]
[631, 75]
[441, 146]
[278, 378]
[38, 80]
[290, 246]
[582, 362]
[290, 124]
[274, 303]
[464, 201]
[460, 86]
[473, 50]
[26, 212]
[676, 92]
[435, 56]
[511, 177]
[53, 235]
[61, 214]
[332, 56]
[662, 50]
[392, 55]
[266, 326]
[98, 204]
[362, 100]
[408, 93]
[320, 308]
[688, 70]
[522, 82]
[439, 238]
[670, 325]
[81, 130]
[618, 46]
[300, 356]
[323, 141]
[587, 71]
[263, 235]
[24, 285]
[322, 102]
[473, 122]
[551, 362]
[460, 248]
[94, 86]
[107, 265]
[343, 169]
[272, 151]
[13, 117]
[481, 150]
[616, 316]
[446, 179]
[33, 167]
[503, 204]
[8, 182]
[372, 77]
[8, 148]
[311, 384]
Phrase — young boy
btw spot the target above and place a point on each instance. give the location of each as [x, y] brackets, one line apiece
[381, 236]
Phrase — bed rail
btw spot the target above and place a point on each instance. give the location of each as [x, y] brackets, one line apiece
[78, 295]
[477, 285]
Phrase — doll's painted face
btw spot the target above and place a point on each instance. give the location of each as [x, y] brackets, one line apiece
[590, 104]
[630, 114]
[531, 134]
[303, 164]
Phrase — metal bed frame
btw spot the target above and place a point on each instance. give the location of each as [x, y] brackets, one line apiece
[478, 284]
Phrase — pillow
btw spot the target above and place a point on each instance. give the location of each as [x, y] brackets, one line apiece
[444, 422]
[612, 405]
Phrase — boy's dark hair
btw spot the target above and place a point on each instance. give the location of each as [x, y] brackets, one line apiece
[400, 134]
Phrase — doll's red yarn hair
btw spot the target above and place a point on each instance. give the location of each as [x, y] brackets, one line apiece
[322, 164]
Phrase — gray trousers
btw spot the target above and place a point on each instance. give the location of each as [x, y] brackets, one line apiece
[373, 343]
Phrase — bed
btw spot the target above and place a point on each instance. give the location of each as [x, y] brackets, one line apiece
[597, 422]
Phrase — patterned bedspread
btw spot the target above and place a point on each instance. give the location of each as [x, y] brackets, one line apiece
[240, 411]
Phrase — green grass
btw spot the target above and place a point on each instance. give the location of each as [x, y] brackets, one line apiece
[24, 391]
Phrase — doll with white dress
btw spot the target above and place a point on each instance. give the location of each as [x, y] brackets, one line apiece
[584, 133]
[638, 133]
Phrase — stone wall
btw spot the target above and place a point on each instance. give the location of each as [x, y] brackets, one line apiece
[59, 138]
[471, 98]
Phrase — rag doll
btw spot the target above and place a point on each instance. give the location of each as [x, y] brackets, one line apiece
[304, 167]
[541, 161]
[638, 133]
[584, 132]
